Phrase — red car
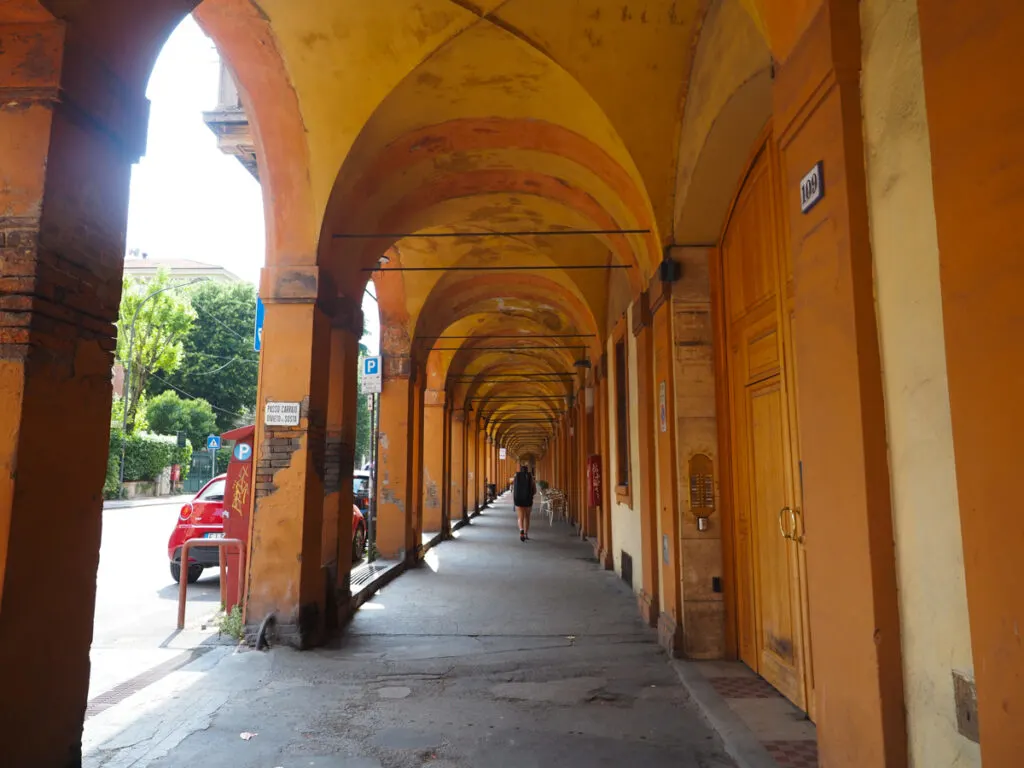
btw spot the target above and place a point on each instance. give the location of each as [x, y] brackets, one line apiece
[203, 518]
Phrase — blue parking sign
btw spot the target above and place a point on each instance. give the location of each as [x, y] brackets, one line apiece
[243, 451]
[257, 343]
[371, 381]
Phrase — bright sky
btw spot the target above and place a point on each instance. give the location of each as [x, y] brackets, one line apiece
[188, 199]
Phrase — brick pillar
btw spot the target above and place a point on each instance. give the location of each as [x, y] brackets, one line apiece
[65, 158]
[433, 459]
[285, 562]
[394, 483]
[339, 456]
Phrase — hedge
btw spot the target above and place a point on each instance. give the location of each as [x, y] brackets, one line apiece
[145, 457]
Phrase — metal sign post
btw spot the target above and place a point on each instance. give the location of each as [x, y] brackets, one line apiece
[213, 445]
[371, 506]
[371, 382]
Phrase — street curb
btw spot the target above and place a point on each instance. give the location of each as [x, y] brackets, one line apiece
[739, 741]
[150, 501]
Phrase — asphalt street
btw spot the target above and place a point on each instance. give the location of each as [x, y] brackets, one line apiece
[136, 599]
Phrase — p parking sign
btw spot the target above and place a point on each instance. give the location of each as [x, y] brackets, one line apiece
[372, 378]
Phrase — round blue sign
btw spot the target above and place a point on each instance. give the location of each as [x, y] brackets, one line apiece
[243, 451]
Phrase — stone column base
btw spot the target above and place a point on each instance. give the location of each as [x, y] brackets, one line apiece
[648, 610]
[670, 636]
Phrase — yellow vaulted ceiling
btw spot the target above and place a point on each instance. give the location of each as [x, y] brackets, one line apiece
[450, 116]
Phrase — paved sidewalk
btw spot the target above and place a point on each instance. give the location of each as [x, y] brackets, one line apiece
[493, 654]
[147, 501]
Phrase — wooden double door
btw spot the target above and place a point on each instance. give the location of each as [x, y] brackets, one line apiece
[770, 529]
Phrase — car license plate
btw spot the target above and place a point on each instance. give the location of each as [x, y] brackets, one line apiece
[214, 536]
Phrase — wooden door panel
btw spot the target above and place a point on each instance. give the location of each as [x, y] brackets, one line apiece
[770, 595]
[774, 574]
[746, 609]
[750, 270]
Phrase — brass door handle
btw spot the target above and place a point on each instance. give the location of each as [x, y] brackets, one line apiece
[782, 523]
[798, 526]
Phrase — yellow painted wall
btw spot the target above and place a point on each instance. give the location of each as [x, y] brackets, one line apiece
[626, 521]
[933, 600]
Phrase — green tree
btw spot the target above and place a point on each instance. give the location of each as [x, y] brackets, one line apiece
[219, 364]
[169, 414]
[161, 323]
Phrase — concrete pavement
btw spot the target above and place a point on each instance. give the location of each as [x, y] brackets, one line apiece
[136, 599]
[492, 654]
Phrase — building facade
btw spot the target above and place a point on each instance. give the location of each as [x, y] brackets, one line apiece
[142, 267]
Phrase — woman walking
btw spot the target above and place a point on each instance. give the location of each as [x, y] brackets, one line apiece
[523, 490]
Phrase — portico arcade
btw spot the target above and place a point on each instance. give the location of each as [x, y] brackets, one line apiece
[596, 245]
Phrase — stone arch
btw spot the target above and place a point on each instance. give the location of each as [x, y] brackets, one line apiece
[426, 159]
[729, 103]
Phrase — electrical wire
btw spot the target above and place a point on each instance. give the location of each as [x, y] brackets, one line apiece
[191, 396]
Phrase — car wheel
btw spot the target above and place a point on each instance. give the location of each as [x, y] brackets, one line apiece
[358, 544]
[194, 572]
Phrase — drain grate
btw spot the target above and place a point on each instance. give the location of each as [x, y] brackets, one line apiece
[365, 573]
[121, 692]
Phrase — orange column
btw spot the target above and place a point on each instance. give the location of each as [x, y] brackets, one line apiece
[394, 445]
[607, 543]
[472, 467]
[494, 459]
[644, 489]
[457, 498]
[579, 508]
[339, 453]
[599, 417]
[971, 57]
[481, 477]
[488, 462]
[446, 477]
[285, 574]
[563, 452]
[854, 615]
[433, 459]
[572, 464]
[416, 486]
[670, 619]
[590, 449]
[66, 157]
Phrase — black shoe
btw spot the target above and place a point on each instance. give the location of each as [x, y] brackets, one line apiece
[522, 535]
